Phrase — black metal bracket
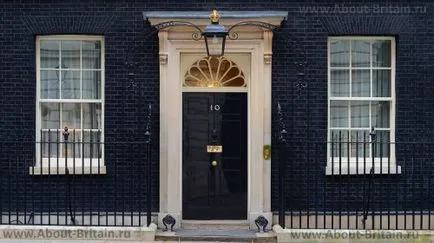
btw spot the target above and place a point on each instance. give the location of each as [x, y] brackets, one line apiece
[232, 35]
[148, 124]
[169, 220]
[282, 126]
[131, 67]
[197, 35]
[301, 60]
[301, 83]
[261, 222]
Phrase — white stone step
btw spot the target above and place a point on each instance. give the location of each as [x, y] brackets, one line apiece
[215, 224]
[205, 235]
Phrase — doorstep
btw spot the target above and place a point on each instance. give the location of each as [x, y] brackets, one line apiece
[233, 235]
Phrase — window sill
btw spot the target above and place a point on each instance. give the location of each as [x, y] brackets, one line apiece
[354, 169]
[78, 170]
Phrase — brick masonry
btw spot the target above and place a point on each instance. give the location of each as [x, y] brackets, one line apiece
[130, 48]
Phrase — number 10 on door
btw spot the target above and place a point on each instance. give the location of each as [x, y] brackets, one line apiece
[214, 107]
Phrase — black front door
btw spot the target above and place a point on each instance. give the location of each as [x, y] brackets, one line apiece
[214, 152]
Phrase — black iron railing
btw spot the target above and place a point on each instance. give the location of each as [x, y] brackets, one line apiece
[111, 187]
[75, 177]
[350, 183]
[354, 179]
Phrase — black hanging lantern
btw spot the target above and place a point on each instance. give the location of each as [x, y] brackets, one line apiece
[214, 33]
[215, 36]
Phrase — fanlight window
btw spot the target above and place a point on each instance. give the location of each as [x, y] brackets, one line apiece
[214, 72]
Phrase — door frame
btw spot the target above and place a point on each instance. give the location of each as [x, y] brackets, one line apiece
[258, 43]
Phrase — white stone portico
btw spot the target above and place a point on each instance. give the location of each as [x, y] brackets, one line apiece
[253, 42]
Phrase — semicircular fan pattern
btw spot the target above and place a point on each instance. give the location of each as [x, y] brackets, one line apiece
[214, 72]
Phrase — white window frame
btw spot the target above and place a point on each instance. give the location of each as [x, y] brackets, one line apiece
[354, 165]
[58, 166]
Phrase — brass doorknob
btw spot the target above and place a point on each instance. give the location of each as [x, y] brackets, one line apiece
[214, 163]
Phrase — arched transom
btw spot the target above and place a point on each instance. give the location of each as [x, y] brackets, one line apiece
[214, 72]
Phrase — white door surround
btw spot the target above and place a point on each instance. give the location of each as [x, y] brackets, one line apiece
[253, 41]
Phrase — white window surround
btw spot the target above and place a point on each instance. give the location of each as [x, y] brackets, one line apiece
[82, 164]
[360, 165]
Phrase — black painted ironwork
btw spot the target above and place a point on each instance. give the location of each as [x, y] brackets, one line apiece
[213, 30]
[169, 221]
[282, 139]
[68, 197]
[197, 35]
[232, 35]
[149, 166]
[286, 145]
[70, 183]
[337, 197]
[131, 67]
[300, 58]
[170, 24]
[261, 222]
[368, 194]
[253, 23]
[368, 198]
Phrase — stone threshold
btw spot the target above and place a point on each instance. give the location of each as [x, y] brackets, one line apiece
[234, 235]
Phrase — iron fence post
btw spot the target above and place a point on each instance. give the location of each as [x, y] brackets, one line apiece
[67, 199]
[149, 167]
[282, 157]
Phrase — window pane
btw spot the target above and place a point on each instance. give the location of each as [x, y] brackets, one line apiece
[360, 114]
[339, 113]
[49, 54]
[92, 116]
[360, 144]
[339, 53]
[361, 83]
[381, 53]
[70, 54]
[91, 54]
[71, 114]
[360, 53]
[91, 84]
[381, 82]
[381, 114]
[340, 80]
[49, 85]
[340, 142]
[92, 144]
[382, 145]
[50, 116]
[71, 84]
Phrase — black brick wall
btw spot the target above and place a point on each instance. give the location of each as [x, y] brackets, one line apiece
[130, 48]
